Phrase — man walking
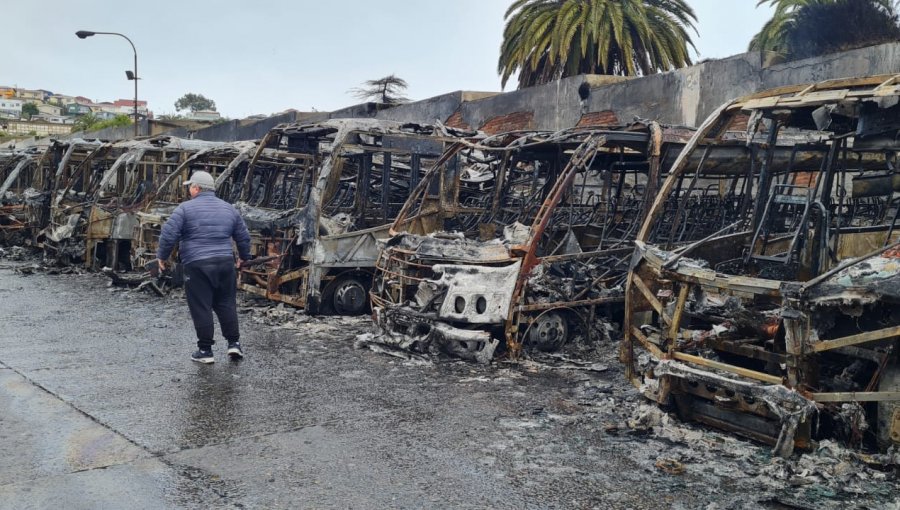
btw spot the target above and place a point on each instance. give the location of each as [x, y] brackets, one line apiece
[204, 226]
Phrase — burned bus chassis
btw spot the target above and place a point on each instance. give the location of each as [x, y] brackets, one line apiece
[518, 240]
[780, 326]
[318, 197]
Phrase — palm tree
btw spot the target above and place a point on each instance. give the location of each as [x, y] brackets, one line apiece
[807, 28]
[545, 40]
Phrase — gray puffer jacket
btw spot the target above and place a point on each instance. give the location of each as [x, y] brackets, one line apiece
[205, 226]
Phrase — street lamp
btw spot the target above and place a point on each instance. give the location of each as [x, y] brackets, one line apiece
[84, 34]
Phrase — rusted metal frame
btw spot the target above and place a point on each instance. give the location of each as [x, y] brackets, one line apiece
[387, 167]
[749, 351]
[277, 161]
[248, 178]
[383, 265]
[596, 281]
[684, 200]
[882, 363]
[743, 372]
[887, 238]
[747, 185]
[707, 278]
[500, 183]
[651, 299]
[790, 189]
[401, 276]
[735, 285]
[570, 304]
[611, 214]
[762, 231]
[269, 181]
[292, 275]
[861, 338]
[765, 175]
[607, 186]
[842, 189]
[676, 317]
[79, 171]
[687, 249]
[790, 168]
[653, 173]
[167, 181]
[824, 194]
[377, 302]
[458, 209]
[586, 255]
[859, 396]
[409, 262]
[298, 301]
[678, 168]
[415, 169]
[582, 155]
[363, 173]
[402, 250]
[418, 192]
[655, 351]
[306, 173]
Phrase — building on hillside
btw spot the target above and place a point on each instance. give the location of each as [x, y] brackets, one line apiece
[33, 128]
[77, 109]
[83, 100]
[60, 99]
[49, 109]
[126, 107]
[32, 95]
[204, 115]
[105, 114]
[11, 107]
[105, 107]
[54, 119]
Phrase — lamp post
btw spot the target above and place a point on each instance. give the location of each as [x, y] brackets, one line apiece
[84, 34]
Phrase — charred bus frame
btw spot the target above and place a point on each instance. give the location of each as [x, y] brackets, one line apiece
[792, 307]
[317, 197]
[521, 238]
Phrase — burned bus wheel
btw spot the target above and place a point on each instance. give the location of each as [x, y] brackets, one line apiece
[350, 296]
[548, 332]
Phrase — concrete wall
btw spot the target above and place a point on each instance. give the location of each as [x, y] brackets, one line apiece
[359, 111]
[234, 130]
[438, 108]
[111, 134]
[685, 97]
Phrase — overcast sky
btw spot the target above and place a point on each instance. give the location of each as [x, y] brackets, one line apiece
[255, 57]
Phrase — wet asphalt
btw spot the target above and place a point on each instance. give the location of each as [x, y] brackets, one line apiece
[100, 407]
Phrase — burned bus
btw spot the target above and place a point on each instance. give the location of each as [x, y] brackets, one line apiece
[779, 322]
[17, 171]
[125, 187]
[519, 240]
[63, 191]
[217, 159]
[317, 197]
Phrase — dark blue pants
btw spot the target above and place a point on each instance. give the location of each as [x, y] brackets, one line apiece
[210, 286]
